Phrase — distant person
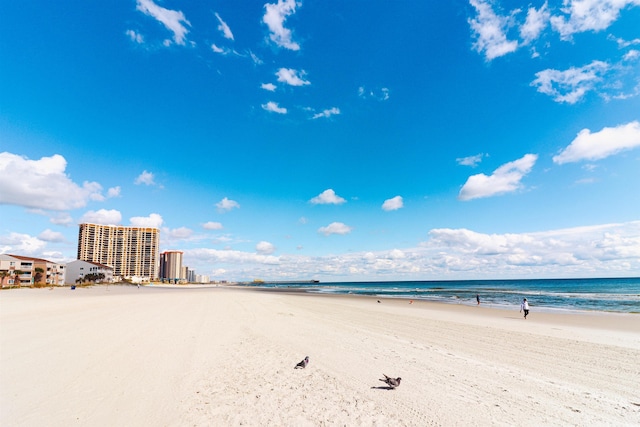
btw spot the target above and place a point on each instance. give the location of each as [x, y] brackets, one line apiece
[524, 307]
[478, 298]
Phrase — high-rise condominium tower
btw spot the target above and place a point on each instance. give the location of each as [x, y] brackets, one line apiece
[171, 265]
[131, 251]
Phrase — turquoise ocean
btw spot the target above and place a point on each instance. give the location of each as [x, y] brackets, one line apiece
[611, 295]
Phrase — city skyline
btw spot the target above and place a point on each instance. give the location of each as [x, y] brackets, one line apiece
[299, 140]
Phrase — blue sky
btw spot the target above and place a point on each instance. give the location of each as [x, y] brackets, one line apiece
[328, 140]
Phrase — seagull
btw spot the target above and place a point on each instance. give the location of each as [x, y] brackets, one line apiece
[391, 382]
[303, 363]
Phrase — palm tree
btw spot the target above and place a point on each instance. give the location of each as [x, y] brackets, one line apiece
[39, 273]
[3, 274]
[16, 276]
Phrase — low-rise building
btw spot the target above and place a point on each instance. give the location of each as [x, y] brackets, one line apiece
[18, 270]
[80, 271]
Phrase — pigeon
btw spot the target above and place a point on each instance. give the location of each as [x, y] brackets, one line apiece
[391, 382]
[303, 363]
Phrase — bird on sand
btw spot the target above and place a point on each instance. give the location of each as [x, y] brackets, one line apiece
[391, 382]
[303, 363]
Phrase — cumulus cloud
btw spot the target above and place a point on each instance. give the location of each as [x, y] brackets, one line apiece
[570, 85]
[265, 248]
[212, 225]
[393, 204]
[490, 31]
[327, 197]
[274, 17]
[102, 217]
[292, 77]
[535, 23]
[171, 236]
[215, 256]
[62, 218]
[224, 28]
[154, 220]
[20, 244]
[145, 178]
[173, 20]
[135, 36]
[588, 15]
[51, 236]
[42, 184]
[327, 113]
[225, 205]
[607, 250]
[506, 179]
[113, 192]
[598, 145]
[335, 228]
[268, 86]
[273, 107]
[471, 160]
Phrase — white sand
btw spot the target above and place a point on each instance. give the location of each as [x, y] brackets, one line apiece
[122, 356]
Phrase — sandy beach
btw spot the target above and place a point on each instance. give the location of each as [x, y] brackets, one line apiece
[123, 356]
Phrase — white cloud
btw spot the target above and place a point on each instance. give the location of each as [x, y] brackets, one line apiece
[220, 50]
[471, 160]
[154, 220]
[102, 217]
[225, 205]
[135, 37]
[20, 244]
[505, 179]
[633, 54]
[274, 108]
[377, 94]
[61, 218]
[265, 248]
[42, 184]
[570, 85]
[145, 178]
[224, 28]
[255, 59]
[608, 250]
[598, 145]
[212, 225]
[588, 15]
[335, 228]
[174, 21]
[327, 113]
[180, 233]
[292, 77]
[113, 192]
[490, 31]
[51, 236]
[268, 86]
[274, 17]
[535, 22]
[393, 204]
[327, 197]
[214, 256]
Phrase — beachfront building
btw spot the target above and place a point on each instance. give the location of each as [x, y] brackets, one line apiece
[18, 270]
[79, 271]
[132, 252]
[171, 269]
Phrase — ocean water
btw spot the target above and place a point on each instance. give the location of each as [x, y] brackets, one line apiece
[612, 295]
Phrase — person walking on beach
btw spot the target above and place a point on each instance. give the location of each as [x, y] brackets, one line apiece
[524, 307]
[478, 298]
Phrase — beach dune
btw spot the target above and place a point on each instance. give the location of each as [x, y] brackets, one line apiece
[120, 355]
